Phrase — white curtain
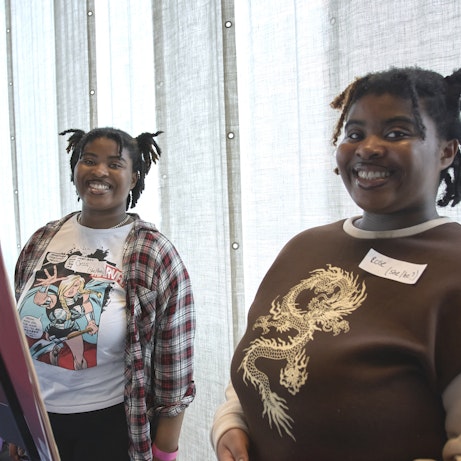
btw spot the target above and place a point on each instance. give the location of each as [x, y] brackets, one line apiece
[241, 90]
[294, 57]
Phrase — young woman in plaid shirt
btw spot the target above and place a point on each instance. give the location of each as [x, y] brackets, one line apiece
[113, 351]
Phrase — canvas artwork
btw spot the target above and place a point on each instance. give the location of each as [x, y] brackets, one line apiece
[23, 418]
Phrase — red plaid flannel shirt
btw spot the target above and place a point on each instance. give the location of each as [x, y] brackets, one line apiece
[161, 326]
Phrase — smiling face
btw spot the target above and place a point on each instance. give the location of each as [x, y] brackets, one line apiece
[104, 179]
[388, 169]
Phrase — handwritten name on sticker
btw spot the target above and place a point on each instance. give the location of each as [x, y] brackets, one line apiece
[401, 271]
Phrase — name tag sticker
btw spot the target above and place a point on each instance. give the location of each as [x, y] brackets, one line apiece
[388, 268]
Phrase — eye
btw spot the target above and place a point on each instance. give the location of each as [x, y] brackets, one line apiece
[397, 133]
[86, 161]
[353, 135]
[116, 165]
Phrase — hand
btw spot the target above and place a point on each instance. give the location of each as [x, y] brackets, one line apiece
[92, 328]
[233, 446]
[45, 299]
[50, 279]
[16, 453]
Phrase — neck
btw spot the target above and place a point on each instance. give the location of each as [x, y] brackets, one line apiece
[383, 222]
[100, 222]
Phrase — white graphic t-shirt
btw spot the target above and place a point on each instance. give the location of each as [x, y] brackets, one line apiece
[73, 314]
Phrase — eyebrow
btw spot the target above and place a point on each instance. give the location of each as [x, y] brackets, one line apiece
[389, 121]
[111, 157]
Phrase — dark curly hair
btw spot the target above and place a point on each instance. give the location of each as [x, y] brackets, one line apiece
[438, 95]
[143, 151]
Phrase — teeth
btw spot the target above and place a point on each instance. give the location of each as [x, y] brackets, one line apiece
[372, 174]
[98, 185]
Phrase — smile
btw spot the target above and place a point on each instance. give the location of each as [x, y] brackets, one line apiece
[371, 175]
[98, 186]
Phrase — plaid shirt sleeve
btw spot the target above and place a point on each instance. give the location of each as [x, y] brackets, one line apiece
[161, 330]
[172, 361]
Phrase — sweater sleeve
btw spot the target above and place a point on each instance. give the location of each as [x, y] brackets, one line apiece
[452, 403]
[228, 416]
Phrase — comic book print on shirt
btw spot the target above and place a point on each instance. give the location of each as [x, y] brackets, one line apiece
[60, 313]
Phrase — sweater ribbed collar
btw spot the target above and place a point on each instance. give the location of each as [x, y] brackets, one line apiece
[354, 231]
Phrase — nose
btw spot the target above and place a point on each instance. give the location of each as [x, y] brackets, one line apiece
[370, 147]
[100, 169]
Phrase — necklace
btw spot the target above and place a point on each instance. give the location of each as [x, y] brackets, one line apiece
[120, 224]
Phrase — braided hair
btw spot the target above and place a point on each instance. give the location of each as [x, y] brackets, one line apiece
[143, 151]
[439, 96]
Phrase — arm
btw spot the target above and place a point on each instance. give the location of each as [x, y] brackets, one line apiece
[167, 435]
[173, 354]
[173, 351]
[229, 433]
[13, 452]
[452, 403]
[161, 326]
[233, 446]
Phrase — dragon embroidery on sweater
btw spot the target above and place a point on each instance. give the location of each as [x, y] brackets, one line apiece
[334, 294]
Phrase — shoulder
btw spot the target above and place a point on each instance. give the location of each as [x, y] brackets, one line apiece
[319, 235]
[315, 241]
[451, 230]
[324, 230]
[150, 246]
[445, 240]
[48, 230]
[146, 234]
[33, 249]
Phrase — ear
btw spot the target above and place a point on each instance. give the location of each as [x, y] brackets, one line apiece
[134, 179]
[448, 152]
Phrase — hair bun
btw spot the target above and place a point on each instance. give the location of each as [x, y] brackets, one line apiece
[149, 148]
